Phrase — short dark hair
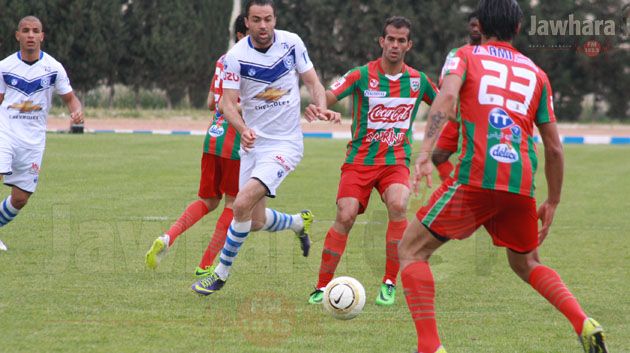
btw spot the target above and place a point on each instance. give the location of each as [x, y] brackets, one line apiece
[397, 22]
[251, 3]
[472, 15]
[239, 25]
[499, 18]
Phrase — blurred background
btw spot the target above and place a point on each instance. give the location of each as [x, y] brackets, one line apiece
[154, 54]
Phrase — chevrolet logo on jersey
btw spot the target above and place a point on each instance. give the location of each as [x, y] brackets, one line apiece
[271, 94]
[26, 107]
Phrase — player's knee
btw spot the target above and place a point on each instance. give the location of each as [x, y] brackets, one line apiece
[346, 218]
[19, 201]
[523, 265]
[397, 208]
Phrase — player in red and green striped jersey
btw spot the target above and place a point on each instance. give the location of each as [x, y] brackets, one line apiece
[502, 94]
[220, 164]
[386, 94]
[448, 141]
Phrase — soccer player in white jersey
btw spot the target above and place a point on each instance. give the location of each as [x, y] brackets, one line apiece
[264, 70]
[28, 79]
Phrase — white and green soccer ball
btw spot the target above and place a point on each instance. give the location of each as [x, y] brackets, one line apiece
[344, 298]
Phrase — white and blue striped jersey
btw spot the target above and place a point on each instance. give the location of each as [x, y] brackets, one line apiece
[268, 84]
[27, 93]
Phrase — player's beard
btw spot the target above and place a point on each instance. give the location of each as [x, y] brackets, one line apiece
[263, 42]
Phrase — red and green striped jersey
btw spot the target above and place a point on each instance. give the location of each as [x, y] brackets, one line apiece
[503, 95]
[383, 111]
[222, 139]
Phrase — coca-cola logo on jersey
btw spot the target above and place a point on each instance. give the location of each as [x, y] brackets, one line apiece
[381, 113]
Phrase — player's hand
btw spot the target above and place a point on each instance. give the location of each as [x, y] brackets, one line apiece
[423, 169]
[77, 117]
[329, 115]
[311, 112]
[546, 211]
[248, 136]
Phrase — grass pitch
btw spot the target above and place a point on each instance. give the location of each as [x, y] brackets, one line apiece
[74, 279]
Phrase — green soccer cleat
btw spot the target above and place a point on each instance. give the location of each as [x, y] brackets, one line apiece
[387, 294]
[303, 235]
[203, 272]
[592, 337]
[317, 296]
[156, 252]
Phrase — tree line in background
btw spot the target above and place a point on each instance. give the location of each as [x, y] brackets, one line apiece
[172, 45]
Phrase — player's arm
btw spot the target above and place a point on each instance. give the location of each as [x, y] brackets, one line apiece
[318, 109]
[1, 98]
[74, 107]
[441, 108]
[554, 173]
[211, 102]
[228, 104]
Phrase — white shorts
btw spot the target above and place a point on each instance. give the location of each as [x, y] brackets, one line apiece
[20, 166]
[270, 161]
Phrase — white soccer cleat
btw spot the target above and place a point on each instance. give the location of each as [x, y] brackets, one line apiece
[2, 246]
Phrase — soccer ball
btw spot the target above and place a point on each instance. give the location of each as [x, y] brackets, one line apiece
[344, 298]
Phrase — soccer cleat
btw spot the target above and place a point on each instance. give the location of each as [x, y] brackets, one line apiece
[592, 337]
[2, 246]
[317, 296]
[303, 235]
[203, 272]
[156, 252]
[387, 294]
[208, 285]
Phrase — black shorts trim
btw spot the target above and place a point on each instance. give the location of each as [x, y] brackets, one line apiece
[266, 187]
[441, 238]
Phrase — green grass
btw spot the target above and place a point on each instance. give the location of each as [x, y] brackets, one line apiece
[74, 277]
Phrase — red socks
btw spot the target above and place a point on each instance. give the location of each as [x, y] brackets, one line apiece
[419, 289]
[218, 238]
[547, 282]
[334, 245]
[395, 232]
[193, 213]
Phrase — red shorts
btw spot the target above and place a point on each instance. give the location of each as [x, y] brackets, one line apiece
[218, 176]
[449, 137]
[357, 181]
[455, 211]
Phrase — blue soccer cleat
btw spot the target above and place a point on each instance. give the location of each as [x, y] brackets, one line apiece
[208, 285]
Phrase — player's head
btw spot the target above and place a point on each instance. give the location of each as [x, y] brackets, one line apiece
[499, 18]
[260, 19]
[474, 32]
[240, 30]
[30, 34]
[395, 40]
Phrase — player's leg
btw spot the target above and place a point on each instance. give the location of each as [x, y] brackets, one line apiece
[249, 201]
[549, 284]
[335, 244]
[516, 228]
[414, 250]
[395, 197]
[209, 199]
[353, 196]
[227, 184]
[10, 207]
[218, 238]
[20, 168]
